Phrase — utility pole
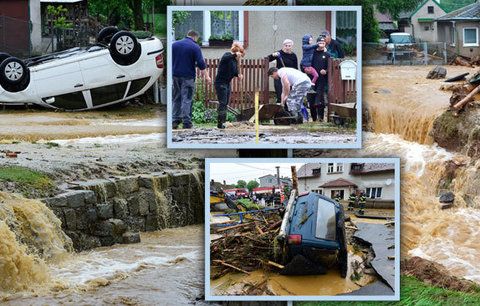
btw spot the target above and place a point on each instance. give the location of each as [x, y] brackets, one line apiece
[294, 178]
[278, 176]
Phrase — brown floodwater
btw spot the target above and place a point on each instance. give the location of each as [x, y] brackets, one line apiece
[328, 284]
[400, 100]
[38, 267]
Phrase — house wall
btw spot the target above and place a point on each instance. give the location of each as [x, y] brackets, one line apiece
[363, 181]
[268, 181]
[267, 31]
[36, 30]
[418, 28]
[14, 30]
[458, 47]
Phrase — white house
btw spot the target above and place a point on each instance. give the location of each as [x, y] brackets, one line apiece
[329, 179]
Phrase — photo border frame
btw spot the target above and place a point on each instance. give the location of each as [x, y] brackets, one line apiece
[289, 298]
[252, 145]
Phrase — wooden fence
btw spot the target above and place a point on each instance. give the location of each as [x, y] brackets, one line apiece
[255, 78]
[340, 91]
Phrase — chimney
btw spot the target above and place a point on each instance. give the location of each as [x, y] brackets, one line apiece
[224, 183]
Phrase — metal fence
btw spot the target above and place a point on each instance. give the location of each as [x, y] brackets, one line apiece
[14, 36]
[412, 54]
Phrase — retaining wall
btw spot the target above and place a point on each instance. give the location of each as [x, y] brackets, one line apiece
[103, 212]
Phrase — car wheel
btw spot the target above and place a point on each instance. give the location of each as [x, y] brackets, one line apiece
[105, 35]
[4, 56]
[14, 75]
[125, 48]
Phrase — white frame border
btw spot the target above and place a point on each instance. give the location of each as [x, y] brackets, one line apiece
[252, 145]
[394, 297]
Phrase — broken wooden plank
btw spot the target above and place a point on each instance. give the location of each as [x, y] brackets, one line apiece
[230, 266]
[467, 99]
[241, 225]
[274, 264]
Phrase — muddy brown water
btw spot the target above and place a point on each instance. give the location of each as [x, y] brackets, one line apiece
[162, 269]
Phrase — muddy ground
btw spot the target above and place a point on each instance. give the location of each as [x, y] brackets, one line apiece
[242, 132]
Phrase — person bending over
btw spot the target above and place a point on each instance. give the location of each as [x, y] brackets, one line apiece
[227, 70]
[300, 85]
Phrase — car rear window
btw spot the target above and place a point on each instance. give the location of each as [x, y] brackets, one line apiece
[401, 39]
[326, 220]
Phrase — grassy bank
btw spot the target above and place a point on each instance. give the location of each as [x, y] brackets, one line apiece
[26, 181]
[415, 292]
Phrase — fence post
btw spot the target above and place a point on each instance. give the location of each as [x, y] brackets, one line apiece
[425, 53]
[445, 53]
[266, 80]
[393, 55]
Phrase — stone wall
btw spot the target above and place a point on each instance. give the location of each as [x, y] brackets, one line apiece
[103, 212]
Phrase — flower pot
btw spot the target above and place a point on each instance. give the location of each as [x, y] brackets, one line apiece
[220, 43]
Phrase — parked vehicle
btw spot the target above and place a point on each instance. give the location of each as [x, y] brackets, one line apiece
[400, 45]
[119, 67]
[237, 192]
[314, 227]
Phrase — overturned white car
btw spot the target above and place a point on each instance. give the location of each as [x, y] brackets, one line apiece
[119, 67]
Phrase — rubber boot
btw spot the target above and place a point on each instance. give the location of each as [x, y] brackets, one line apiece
[221, 121]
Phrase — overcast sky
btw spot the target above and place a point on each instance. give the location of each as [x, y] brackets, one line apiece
[233, 172]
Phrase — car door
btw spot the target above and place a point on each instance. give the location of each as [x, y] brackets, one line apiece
[60, 83]
[106, 80]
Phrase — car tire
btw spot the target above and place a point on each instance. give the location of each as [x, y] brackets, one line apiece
[14, 75]
[124, 48]
[4, 56]
[105, 35]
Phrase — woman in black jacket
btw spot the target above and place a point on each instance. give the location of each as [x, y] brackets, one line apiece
[285, 58]
[227, 70]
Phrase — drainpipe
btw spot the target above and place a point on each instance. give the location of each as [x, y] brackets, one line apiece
[29, 30]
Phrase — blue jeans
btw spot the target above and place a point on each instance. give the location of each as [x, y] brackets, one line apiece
[183, 90]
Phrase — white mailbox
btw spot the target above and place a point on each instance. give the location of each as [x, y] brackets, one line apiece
[348, 70]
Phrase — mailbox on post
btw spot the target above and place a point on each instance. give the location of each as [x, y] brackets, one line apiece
[348, 70]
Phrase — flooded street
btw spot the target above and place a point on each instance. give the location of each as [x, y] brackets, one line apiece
[162, 269]
[267, 134]
[33, 126]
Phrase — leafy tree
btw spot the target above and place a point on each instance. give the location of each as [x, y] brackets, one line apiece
[252, 185]
[371, 31]
[241, 184]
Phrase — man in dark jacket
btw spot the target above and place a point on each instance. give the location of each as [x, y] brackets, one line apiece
[285, 58]
[320, 63]
[334, 48]
[186, 56]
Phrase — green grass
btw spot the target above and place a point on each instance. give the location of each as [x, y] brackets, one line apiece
[26, 178]
[415, 292]
[160, 23]
[248, 204]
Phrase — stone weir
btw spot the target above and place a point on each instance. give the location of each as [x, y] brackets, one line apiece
[103, 212]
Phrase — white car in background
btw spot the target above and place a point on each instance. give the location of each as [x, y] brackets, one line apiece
[119, 67]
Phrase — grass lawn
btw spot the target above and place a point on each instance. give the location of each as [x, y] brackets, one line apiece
[160, 24]
[415, 292]
[26, 178]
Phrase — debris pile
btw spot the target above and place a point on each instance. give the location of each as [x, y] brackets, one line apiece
[466, 61]
[438, 72]
[245, 247]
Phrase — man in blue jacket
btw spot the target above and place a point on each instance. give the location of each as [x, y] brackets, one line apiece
[186, 57]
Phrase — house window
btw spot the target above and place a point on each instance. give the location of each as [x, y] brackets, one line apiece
[373, 193]
[335, 193]
[470, 37]
[216, 25]
[426, 28]
[430, 9]
[316, 171]
[334, 168]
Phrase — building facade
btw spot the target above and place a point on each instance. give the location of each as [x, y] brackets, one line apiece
[331, 179]
[422, 22]
[271, 180]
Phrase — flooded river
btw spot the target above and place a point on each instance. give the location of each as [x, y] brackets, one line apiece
[162, 269]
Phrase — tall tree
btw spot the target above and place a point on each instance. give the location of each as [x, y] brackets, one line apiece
[370, 30]
[137, 10]
[252, 185]
[241, 184]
